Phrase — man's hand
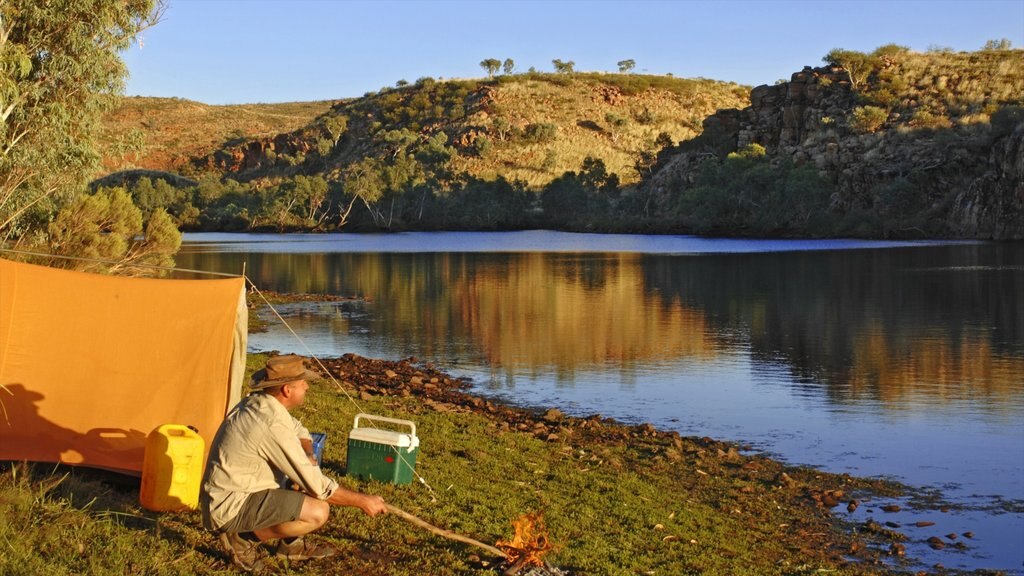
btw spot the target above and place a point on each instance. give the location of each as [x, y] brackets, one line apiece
[368, 503]
[373, 505]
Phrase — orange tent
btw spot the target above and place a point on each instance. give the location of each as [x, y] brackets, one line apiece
[90, 364]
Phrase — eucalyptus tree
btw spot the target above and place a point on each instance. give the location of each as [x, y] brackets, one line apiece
[491, 66]
[563, 67]
[60, 70]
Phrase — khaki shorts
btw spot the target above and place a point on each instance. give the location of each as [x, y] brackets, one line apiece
[266, 508]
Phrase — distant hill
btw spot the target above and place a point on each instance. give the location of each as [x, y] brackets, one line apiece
[614, 117]
[166, 133]
[891, 143]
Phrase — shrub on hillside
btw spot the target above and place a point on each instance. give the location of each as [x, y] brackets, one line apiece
[540, 132]
[868, 119]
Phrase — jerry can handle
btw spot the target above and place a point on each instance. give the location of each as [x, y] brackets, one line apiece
[176, 430]
[372, 418]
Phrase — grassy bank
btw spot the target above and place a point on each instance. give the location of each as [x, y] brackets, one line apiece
[616, 499]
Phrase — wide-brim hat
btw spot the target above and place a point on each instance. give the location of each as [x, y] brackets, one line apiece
[281, 370]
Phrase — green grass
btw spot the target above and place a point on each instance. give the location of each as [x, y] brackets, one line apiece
[616, 500]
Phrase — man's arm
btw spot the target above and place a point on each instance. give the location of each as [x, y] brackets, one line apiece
[370, 504]
[307, 447]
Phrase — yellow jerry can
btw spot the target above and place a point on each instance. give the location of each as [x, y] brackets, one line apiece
[172, 469]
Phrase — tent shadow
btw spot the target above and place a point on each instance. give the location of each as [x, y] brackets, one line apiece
[25, 435]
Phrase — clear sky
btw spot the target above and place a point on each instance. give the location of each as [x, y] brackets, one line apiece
[245, 51]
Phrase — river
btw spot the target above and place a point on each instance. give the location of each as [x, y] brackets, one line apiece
[895, 359]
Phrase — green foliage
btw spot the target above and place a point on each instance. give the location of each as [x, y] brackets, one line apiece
[748, 194]
[435, 152]
[626, 66]
[434, 102]
[645, 163]
[664, 140]
[868, 119]
[579, 199]
[752, 150]
[857, 64]
[632, 84]
[926, 119]
[491, 66]
[107, 226]
[508, 66]
[482, 145]
[550, 160]
[1000, 44]
[615, 120]
[646, 117]
[562, 67]
[150, 196]
[890, 52]
[501, 127]
[540, 132]
[476, 204]
[59, 68]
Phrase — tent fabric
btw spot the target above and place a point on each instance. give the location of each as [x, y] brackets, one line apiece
[91, 364]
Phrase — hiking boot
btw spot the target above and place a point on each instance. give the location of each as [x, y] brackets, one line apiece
[301, 549]
[241, 551]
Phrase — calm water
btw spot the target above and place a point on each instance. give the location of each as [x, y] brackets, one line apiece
[903, 360]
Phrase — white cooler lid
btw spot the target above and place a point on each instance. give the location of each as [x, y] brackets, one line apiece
[389, 437]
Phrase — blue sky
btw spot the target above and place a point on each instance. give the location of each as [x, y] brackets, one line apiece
[231, 52]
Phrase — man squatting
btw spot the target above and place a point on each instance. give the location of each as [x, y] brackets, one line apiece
[259, 448]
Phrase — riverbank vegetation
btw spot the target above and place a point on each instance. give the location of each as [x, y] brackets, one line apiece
[615, 498]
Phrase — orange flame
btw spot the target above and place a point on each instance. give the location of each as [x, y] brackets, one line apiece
[530, 542]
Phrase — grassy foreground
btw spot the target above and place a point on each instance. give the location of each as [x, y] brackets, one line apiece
[616, 499]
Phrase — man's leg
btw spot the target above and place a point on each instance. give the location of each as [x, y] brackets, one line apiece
[278, 513]
[313, 515]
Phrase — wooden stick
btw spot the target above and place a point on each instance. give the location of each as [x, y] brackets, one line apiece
[516, 566]
[442, 532]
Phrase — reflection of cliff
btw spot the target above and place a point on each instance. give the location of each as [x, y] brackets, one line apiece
[518, 311]
[934, 366]
[888, 324]
[934, 322]
[572, 311]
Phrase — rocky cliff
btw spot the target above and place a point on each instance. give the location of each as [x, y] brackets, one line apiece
[943, 147]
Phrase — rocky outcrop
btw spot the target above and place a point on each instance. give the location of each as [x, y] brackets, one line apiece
[255, 154]
[993, 206]
[969, 178]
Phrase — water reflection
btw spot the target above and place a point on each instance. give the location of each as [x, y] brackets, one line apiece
[889, 325]
[900, 327]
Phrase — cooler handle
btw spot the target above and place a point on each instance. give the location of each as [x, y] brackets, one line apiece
[373, 418]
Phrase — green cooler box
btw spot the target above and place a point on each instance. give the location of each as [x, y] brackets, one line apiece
[380, 454]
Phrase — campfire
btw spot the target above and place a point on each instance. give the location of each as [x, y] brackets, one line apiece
[529, 545]
[523, 555]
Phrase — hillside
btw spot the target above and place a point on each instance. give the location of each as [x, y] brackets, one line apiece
[163, 134]
[892, 143]
[529, 127]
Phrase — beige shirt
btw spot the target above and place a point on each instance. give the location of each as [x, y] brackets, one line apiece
[256, 448]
